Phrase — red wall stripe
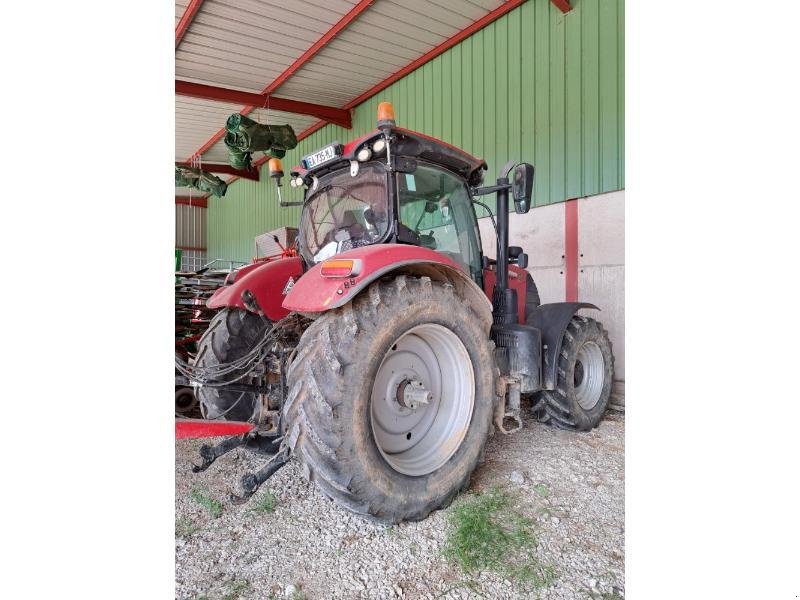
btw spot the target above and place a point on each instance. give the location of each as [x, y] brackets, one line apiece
[571, 249]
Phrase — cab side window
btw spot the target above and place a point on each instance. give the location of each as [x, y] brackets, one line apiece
[436, 205]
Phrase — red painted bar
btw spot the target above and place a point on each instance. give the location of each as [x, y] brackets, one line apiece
[562, 5]
[571, 249]
[199, 201]
[203, 428]
[339, 116]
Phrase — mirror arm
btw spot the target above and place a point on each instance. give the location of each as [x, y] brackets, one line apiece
[283, 204]
[491, 189]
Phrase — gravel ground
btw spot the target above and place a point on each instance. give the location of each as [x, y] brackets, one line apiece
[571, 484]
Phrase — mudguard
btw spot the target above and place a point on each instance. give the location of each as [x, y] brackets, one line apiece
[267, 282]
[552, 320]
[316, 293]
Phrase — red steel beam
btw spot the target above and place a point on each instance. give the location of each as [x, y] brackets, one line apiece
[199, 201]
[335, 115]
[562, 5]
[186, 20]
[224, 169]
[193, 248]
[351, 16]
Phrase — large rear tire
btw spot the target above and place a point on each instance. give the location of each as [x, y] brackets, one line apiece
[531, 296]
[390, 398]
[585, 375]
[231, 334]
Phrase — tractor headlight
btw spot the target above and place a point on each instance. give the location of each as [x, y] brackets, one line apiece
[379, 146]
[364, 154]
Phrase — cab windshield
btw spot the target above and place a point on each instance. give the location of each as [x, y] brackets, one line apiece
[345, 212]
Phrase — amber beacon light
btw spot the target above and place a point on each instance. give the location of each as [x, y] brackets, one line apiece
[275, 167]
[385, 114]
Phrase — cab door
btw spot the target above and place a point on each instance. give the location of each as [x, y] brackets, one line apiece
[435, 205]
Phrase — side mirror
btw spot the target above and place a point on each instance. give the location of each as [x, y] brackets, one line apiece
[522, 187]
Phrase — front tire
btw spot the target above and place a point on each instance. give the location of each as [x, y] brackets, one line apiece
[366, 378]
[231, 334]
[585, 374]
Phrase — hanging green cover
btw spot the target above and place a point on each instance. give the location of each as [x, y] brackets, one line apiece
[200, 180]
[244, 136]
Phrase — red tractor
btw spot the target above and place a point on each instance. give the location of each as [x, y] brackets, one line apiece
[381, 356]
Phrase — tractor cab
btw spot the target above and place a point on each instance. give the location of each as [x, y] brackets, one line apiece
[390, 186]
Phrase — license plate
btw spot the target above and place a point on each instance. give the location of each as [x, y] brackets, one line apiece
[321, 156]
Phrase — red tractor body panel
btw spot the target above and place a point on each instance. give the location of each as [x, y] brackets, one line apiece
[267, 282]
[316, 293]
[516, 281]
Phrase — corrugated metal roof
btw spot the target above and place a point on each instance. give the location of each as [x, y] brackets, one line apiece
[197, 120]
[248, 45]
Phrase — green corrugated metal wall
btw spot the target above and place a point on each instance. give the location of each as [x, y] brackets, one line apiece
[536, 85]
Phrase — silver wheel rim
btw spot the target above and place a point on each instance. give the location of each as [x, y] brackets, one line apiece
[427, 360]
[589, 375]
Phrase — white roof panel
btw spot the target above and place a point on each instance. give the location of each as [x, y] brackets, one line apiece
[247, 45]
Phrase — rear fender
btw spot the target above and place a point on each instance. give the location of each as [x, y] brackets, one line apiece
[314, 293]
[552, 320]
[266, 281]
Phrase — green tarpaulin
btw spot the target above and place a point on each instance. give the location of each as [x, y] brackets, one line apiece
[200, 180]
[244, 136]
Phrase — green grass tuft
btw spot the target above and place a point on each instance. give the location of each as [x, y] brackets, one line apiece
[214, 507]
[542, 490]
[486, 533]
[265, 504]
[185, 527]
[237, 589]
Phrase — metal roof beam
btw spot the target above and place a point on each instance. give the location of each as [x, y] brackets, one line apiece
[337, 116]
[188, 16]
[198, 201]
[224, 169]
